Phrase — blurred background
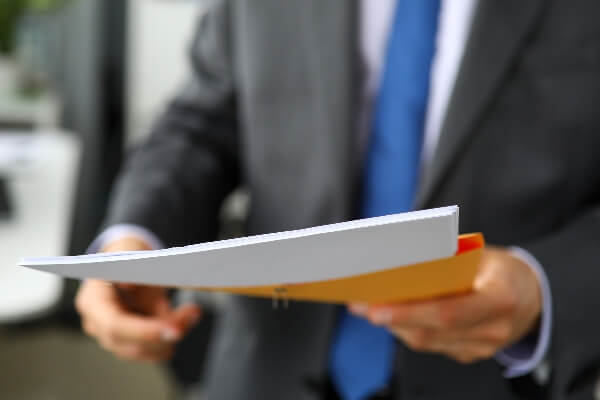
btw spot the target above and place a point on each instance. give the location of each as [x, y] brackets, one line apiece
[80, 83]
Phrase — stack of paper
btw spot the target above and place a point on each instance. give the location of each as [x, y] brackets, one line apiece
[392, 258]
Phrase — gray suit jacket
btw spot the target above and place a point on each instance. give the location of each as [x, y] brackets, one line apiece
[273, 105]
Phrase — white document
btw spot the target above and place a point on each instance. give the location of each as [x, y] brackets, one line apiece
[301, 256]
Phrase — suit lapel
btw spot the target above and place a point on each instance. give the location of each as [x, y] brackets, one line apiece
[499, 29]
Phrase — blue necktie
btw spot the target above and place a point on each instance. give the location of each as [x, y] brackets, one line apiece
[362, 355]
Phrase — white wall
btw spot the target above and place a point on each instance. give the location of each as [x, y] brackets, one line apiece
[159, 33]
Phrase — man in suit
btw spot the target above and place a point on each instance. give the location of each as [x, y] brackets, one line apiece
[488, 105]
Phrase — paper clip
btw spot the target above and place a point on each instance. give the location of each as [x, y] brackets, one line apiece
[280, 293]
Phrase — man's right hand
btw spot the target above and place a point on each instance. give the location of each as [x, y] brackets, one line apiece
[134, 322]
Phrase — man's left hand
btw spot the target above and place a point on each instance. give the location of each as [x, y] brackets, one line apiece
[503, 307]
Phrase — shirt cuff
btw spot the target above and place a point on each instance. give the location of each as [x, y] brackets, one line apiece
[121, 231]
[527, 355]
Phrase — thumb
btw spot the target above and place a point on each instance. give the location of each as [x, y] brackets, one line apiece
[181, 320]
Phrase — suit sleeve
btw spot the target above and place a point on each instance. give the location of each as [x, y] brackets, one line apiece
[571, 258]
[174, 183]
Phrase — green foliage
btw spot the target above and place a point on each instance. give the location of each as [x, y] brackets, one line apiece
[42, 5]
[11, 10]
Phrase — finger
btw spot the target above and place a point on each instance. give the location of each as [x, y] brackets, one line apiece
[144, 300]
[490, 298]
[436, 340]
[112, 319]
[123, 326]
[143, 349]
[431, 340]
[90, 294]
[130, 351]
[464, 351]
[495, 333]
[358, 309]
[184, 317]
[153, 355]
[135, 350]
[175, 324]
[162, 307]
[89, 327]
[468, 353]
[418, 339]
[449, 312]
[105, 317]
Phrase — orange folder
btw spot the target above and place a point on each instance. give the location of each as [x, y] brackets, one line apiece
[420, 281]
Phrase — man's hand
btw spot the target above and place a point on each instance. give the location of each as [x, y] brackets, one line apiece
[503, 307]
[134, 322]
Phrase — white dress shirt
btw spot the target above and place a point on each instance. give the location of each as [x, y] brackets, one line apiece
[453, 30]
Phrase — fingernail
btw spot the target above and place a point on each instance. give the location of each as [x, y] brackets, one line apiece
[169, 334]
[358, 308]
[382, 317]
